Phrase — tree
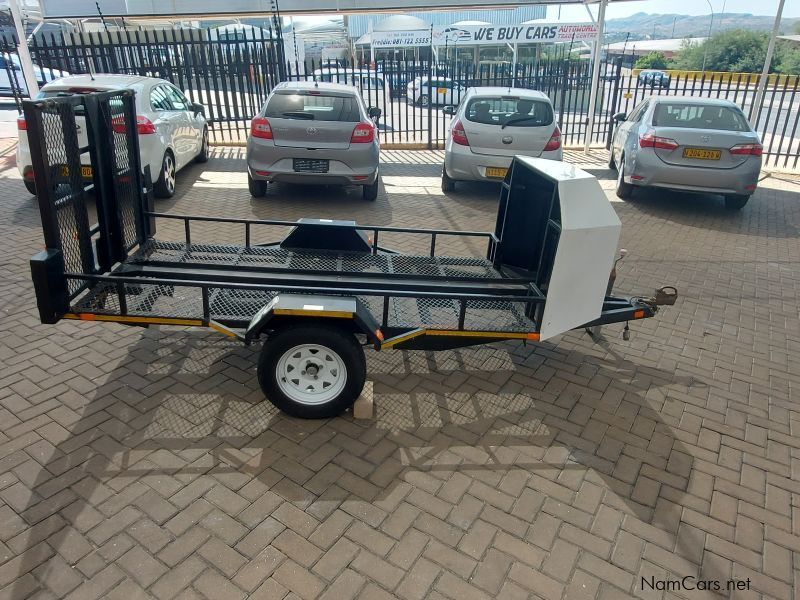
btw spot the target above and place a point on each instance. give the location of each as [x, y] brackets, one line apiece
[739, 51]
[654, 60]
[735, 50]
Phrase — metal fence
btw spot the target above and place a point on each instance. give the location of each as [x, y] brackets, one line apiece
[233, 77]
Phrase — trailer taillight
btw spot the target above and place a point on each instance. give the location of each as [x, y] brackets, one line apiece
[260, 128]
[21, 124]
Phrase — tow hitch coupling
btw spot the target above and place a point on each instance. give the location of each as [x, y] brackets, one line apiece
[665, 296]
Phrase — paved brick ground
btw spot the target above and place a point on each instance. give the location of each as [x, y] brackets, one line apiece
[138, 463]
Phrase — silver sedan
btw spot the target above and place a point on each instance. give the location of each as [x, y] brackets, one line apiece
[314, 133]
[689, 144]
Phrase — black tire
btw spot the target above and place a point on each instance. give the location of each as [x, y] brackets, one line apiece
[257, 187]
[164, 187]
[203, 156]
[736, 201]
[279, 352]
[624, 190]
[370, 192]
[31, 187]
[424, 100]
[448, 185]
[611, 162]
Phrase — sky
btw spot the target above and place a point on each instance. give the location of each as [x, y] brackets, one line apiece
[791, 8]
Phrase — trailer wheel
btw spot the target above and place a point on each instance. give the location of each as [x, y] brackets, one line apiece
[312, 371]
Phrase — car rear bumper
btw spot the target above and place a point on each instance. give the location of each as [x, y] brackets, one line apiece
[353, 166]
[461, 164]
[650, 171]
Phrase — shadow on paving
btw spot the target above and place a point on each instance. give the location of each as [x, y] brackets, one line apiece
[183, 404]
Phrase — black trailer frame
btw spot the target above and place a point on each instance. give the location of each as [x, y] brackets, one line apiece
[332, 272]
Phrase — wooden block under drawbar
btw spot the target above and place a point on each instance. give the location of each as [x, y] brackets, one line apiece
[363, 407]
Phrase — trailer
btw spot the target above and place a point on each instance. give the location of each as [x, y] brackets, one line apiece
[315, 298]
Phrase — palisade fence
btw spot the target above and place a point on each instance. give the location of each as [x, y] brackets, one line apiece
[233, 77]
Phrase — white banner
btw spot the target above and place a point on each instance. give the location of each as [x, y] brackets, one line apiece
[483, 35]
[398, 39]
[515, 34]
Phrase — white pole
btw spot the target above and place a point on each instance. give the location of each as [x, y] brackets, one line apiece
[22, 49]
[762, 81]
[598, 46]
[514, 66]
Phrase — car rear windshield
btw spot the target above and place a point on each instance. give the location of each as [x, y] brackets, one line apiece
[699, 116]
[314, 107]
[509, 111]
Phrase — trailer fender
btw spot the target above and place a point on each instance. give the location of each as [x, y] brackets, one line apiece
[296, 306]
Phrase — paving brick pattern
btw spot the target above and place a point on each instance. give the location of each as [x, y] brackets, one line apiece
[146, 464]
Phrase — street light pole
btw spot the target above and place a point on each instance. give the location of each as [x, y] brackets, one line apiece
[705, 45]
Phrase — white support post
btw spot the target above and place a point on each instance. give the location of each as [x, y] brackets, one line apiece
[762, 81]
[22, 50]
[598, 47]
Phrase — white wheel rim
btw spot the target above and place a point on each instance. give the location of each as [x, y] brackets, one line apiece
[311, 374]
[169, 172]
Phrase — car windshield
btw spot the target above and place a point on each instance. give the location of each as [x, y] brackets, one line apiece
[509, 112]
[316, 106]
[699, 116]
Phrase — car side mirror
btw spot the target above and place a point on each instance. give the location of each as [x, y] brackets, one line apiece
[449, 110]
[374, 112]
[198, 109]
[620, 116]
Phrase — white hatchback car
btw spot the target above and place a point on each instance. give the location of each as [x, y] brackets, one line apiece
[490, 126]
[436, 90]
[173, 132]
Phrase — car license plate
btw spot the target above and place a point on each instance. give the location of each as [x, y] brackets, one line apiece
[310, 165]
[86, 172]
[441, 90]
[701, 153]
[496, 172]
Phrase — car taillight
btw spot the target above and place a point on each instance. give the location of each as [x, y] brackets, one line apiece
[650, 140]
[144, 126]
[459, 135]
[363, 133]
[21, 124]
[747, 149]
[260, 128]
[554, 143]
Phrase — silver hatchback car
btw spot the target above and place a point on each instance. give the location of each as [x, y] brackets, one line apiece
[314, 133]
[491, 126]
[689, 144]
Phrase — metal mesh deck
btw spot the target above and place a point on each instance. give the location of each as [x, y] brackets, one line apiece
[237, 306]
[318, 260]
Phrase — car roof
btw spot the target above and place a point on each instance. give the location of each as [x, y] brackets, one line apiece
[691, 100]
[100, 81]
[315, 85]
[506, 91]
